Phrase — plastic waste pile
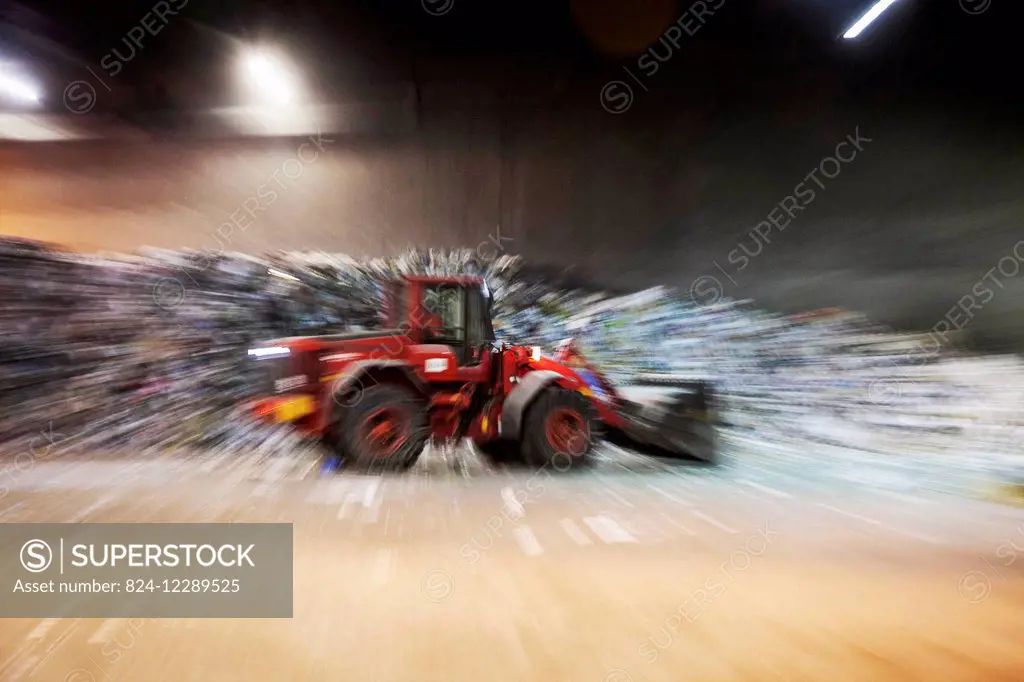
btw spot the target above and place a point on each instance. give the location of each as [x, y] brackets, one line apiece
[148, 351]
[828, 378]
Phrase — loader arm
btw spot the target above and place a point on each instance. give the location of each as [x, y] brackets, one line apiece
[669, 413]
[568, 354]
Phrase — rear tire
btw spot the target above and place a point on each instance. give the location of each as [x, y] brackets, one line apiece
[385, 430]
[560, 430]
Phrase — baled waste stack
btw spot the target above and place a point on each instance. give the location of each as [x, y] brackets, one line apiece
[149, 351]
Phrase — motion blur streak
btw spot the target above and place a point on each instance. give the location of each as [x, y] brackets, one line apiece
[616, 342]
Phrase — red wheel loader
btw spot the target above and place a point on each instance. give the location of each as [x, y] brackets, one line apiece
[376, 397]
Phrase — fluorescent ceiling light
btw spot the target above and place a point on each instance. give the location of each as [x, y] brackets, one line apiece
[18, 89]
[263, 120]
[270, 77]
[32, 128]
[869, 18]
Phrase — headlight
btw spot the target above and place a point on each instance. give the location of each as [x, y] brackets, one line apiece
[536, 354]
[271, 352]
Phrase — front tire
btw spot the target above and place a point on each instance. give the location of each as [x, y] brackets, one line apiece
[385, 430]
[560, 430]
[501, 451]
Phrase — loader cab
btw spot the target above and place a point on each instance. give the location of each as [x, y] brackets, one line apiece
[453, 311]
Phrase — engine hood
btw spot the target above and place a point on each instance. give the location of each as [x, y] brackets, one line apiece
[554, 366]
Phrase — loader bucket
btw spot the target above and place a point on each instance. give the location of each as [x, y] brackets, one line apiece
[672, 415]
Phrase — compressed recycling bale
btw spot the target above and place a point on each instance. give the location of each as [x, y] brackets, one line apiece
[97, 345]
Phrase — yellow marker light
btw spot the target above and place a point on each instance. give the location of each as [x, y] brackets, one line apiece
[294, 408]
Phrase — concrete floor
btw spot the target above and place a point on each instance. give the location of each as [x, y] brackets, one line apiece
[636, 570]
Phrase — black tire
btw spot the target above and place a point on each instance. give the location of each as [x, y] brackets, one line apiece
[501, 451]
[396, 410]
[553, 403]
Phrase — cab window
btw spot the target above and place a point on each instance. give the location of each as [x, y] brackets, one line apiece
[446, 303]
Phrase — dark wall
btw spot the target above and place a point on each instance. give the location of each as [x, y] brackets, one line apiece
[904, 231]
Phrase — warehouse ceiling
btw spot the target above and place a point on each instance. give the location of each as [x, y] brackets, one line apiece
[449, 119]
[166, 67]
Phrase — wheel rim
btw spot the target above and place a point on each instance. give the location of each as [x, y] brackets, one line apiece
[385, 431]
[567, 432]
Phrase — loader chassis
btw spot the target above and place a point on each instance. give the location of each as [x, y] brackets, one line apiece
[435, 373]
